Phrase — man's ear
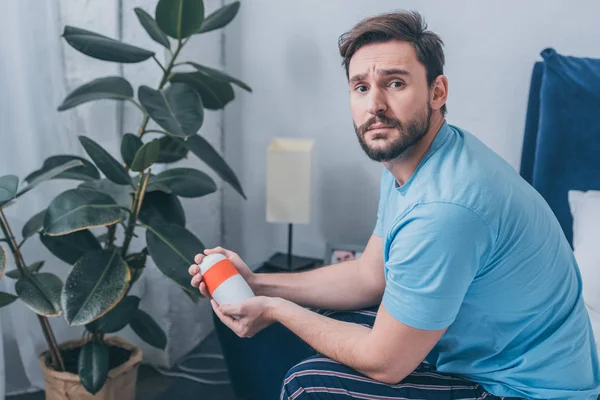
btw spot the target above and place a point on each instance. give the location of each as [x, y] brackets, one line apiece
[439, 92]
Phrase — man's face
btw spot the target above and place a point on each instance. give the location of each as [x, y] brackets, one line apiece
[389, 98]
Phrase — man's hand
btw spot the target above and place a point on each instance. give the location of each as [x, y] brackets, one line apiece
[237, 262]
[248, 318]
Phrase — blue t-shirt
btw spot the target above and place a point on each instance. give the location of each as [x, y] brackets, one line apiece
[470, 245]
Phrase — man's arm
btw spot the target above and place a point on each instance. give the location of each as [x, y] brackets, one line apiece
[349, 285]
[387, 353]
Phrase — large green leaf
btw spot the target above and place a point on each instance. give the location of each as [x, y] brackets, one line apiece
[186, 182]
[104, 48]
[179, 18]
[204, 151]
[6, 299]
[41, 293]
[215, 94]
[117, 318]
[50, 174]
[78, 209]
[172, 247]
[146, 156]
[113, 169]
[8, 188]
[177, 109]
[121, 194]
[96, 283]
[148, 330]
[152, 187]
[220, 18]
[93, 365]
[33, 268]
[219, 75]
[152, 27]
[70, 248]
[130, 144]
[34, 225]
[171, 150]
[83, 173]
[2, 261]
[110, 87]
[159, 208]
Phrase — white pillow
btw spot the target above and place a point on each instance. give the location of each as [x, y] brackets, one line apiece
[585, 209]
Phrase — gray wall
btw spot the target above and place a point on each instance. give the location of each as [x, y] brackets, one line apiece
[287, 52]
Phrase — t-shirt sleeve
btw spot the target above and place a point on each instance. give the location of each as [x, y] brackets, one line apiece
[434, 256]
[383, 194]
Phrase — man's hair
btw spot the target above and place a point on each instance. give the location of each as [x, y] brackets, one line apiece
[405, 26]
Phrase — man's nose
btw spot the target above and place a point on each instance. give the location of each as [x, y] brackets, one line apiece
[377, 103]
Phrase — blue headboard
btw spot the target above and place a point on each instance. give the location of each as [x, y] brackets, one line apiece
[561, 146]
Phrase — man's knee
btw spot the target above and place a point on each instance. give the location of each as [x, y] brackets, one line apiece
[304, 379]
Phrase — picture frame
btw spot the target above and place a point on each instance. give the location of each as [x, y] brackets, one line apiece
[336, 253]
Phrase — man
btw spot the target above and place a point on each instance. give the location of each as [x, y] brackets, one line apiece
[477, 291]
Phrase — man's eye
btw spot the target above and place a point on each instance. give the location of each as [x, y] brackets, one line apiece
[361, 89]
[397, 84]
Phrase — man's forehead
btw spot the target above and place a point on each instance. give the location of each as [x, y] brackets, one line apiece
[377, 56]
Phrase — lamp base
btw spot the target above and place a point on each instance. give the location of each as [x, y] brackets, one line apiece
[281, 261]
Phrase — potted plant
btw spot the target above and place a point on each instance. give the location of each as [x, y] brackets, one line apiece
[127, 200]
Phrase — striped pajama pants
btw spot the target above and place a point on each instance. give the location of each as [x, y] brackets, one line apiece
[322, 378]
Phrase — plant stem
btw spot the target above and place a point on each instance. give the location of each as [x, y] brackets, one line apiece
[132, 216]
[57, 361]
[138, 105]
[12, 243]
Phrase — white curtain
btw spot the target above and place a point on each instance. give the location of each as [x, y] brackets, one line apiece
[37, 70]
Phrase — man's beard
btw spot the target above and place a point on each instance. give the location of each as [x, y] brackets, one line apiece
[408, 134]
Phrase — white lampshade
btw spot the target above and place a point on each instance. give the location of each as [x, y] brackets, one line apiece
[289, 180]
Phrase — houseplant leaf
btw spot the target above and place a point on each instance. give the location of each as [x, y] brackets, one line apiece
[110, 87]
[78, 209]
[220, 18]
[148, 330]
[171, 150]
[41, 293]
[85, 172]
[186, 182]
[53, 172]
[107, 163]
[159, 208]
[104, 48]
[8, 188]
[146, 156]
[172, 247]
[121, 194]
[117, 318]
[34, 225]
[70, 248]
[33, 268]
[152, 187]
[97, 282]
[179, 18]
[219, 76]
[215, 94]
[204, 151]
[177, 109]
[6, 299]
[130, 144]
[93, 365]
[152, 28]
